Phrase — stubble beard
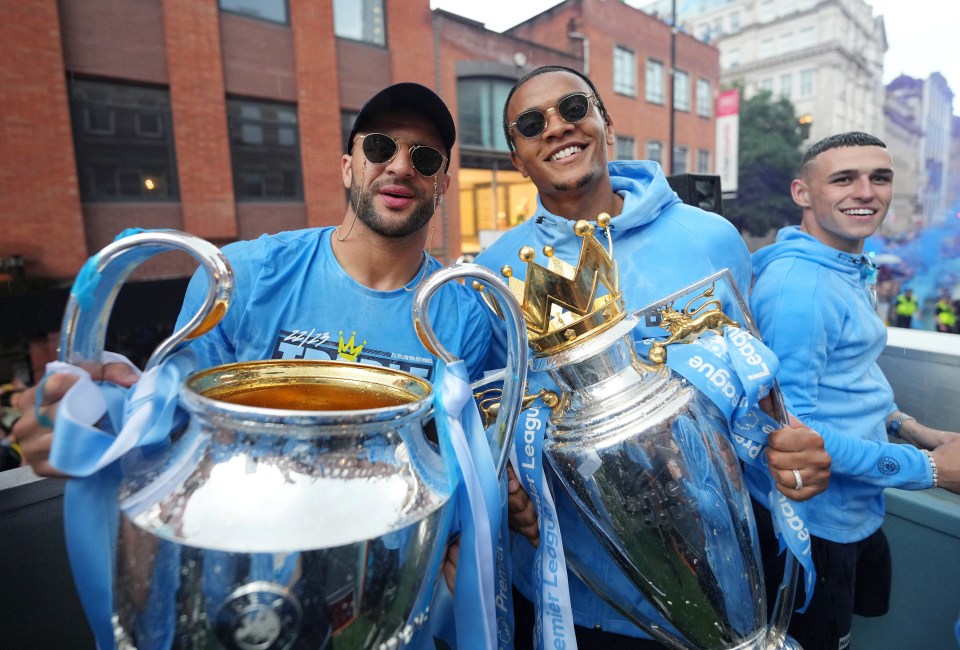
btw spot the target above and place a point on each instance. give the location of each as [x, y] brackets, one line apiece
[367, 213]
[581, 182]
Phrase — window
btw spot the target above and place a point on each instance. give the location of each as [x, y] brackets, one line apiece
[347, 119]
[273, 10]
[681, 90]
[703, 161]
[734, 21]
[767, 11]
[123, 136]
[625, 148]
[806, 83]
[766, 84]
[786, 42]
[679, 163]
[654, 81]
[264, 149]
[624, 71]
[733, 58]
[807, 37]
[655, 151]
[786, 85]
[480, 104]
[360, 21]
[767, 48]
[704, 98]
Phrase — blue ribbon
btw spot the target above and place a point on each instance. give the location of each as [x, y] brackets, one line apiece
[97, 424]
[551, 590]
[734, 371]
[480, 507]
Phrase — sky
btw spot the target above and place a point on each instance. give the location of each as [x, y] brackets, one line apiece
[921, 34]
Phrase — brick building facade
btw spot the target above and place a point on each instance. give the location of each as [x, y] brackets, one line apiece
[226, 119]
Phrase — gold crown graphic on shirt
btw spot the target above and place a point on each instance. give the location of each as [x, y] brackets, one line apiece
[565, 305]
[348, 350]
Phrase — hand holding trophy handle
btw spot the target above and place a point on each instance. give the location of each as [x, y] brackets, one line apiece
[516, 365]
[777, 638]
[84, 330]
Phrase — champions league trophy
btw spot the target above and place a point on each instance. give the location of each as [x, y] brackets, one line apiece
[646, 458]
[303, 504]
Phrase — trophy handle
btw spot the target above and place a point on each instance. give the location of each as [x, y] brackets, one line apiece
[516, 368]
[95, 290]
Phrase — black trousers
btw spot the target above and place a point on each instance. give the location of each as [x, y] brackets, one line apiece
[852, 579]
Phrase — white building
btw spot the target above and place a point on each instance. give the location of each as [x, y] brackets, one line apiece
[825, 56]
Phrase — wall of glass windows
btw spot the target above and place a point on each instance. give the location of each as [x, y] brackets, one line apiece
[493, 195]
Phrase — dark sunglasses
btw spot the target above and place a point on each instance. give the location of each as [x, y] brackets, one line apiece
[381, 149]
[571, 108]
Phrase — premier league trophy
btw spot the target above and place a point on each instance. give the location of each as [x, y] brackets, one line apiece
[303, 504]
[646, 459]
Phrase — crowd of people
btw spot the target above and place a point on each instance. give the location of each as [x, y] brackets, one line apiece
[811, 298]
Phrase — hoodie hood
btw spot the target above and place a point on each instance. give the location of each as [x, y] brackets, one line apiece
[794, 243]
[646, 195]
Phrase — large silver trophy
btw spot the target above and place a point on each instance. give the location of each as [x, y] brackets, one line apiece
[303, 506]
[646, 460]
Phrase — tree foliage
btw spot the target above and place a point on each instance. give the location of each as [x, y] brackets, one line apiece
[770, 139]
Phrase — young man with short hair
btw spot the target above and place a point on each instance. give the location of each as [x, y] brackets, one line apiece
[559, 131]
[813, 301]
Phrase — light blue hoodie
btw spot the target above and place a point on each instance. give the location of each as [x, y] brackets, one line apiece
[661, 246]
[813, 307]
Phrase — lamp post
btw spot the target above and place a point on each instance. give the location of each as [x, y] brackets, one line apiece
[673, 77]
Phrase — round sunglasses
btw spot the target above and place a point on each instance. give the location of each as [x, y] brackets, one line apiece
[571, 108]
[381, 149]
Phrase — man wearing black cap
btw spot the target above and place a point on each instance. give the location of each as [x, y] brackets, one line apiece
[342, 292]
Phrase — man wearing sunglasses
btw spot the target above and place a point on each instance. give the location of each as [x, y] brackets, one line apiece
[559, 132]
[343, 292]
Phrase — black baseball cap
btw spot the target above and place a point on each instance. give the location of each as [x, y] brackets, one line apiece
[414, 97]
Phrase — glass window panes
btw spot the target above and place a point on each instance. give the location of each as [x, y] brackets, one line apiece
[655, 151]
[625, 148]
[360, 20]
[734, 21]
[786, 85]
[123, 137]
[654, 81]
[624, 71]
[480, 102]
[786, 42]
[807, 37]
[767, 10]
[681, 90]
[704, 98]
[272, 10]
[679, 163]
[767, 48]
[703, 161]
[806, 83]
[733, 57]
[264, 150]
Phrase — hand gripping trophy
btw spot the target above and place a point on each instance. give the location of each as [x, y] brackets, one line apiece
[645, 456]
[218, 507]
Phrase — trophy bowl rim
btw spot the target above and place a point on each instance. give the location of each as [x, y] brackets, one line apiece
[416, 393]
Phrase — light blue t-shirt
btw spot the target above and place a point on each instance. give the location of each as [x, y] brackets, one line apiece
[292, 300]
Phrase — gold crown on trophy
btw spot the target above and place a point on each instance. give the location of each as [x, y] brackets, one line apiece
[565, 305]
